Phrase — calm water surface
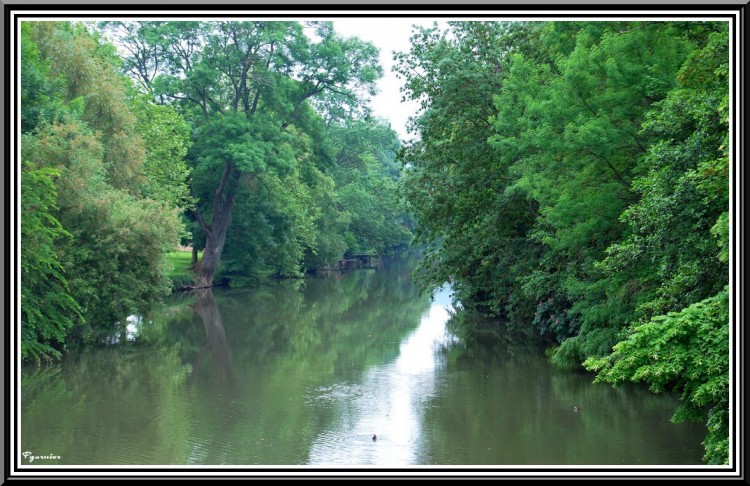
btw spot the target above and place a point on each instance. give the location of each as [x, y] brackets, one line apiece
[306, 372]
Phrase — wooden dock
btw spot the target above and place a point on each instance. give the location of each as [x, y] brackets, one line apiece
[354, 262]
[367, 260]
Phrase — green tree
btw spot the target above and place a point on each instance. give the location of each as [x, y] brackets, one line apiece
[366, 172]
[683, 190]
[109, 241]
[686, 352]
[41, 93]
[47, 308]
[519, 182]
[576, 154]
[166, 138]
[474, 227]
[115, 261]
[678, 244]
[276, 217]
[91, 82]
[572, 176]
[243, 86]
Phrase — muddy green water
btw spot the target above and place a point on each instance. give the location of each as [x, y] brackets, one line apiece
[307, 372]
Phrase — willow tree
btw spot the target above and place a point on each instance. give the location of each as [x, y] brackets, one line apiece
[246, 88]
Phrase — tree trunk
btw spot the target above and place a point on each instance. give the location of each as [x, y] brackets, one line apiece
[206, 270]
[215, 239]
[216, 232]
[194, 257]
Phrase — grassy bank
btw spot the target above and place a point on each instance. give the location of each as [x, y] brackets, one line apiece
[181, 273]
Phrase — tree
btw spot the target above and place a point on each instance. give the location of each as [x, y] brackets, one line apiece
[474, 227]
[115, 261]
[683, 191]
[592, 204]
[679, 232]
[109, 241]
[686, 352]
[243, 86]
[275, 218]
[41, 93]
[92, 84]
[519, 182]
[166, 138]
[366, 173]
[47, 308]
[576, 154]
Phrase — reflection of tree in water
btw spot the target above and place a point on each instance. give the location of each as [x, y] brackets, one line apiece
[319, 324]
[287, 339]
[109, 405]
[255, 358]
[216, 338]
[525, 414]
[358, 318]
[492, 337]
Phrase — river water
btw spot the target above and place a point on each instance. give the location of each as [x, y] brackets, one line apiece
[356, 369]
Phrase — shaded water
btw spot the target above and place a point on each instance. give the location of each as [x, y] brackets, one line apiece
[306, 372]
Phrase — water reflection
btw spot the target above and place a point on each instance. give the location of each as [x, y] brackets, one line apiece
[504, 404]
[286, 340]
[216, 338]
[388, 402]
[305, 372]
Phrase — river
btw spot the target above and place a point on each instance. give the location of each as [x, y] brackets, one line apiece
[356, 369]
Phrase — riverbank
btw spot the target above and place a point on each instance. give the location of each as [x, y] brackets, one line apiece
[181, 273]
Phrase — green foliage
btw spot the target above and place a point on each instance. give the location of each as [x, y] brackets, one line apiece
[683, 192]
[91, 81]
[454, 182]
[47, 308]
[576, 154]
[366, 175]
[687, 352]
[166, 138]
[115, 260]
[274, 224]
[571, 177]
[235, 119]
[349, 65]
[94, 246]
[249, 91]
[41, 93]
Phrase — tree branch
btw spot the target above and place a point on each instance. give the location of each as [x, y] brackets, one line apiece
[619, 176]
[222, 183]
[201, 221]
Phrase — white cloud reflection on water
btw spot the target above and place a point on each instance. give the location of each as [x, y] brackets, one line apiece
[389, 400]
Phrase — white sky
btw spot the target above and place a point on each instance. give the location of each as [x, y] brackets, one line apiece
[388, 35]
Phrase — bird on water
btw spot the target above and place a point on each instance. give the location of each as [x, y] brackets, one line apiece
[374, 438]
[576, 408]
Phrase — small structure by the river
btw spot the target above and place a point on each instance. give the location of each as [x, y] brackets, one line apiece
[356, 261]
[367, 260]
